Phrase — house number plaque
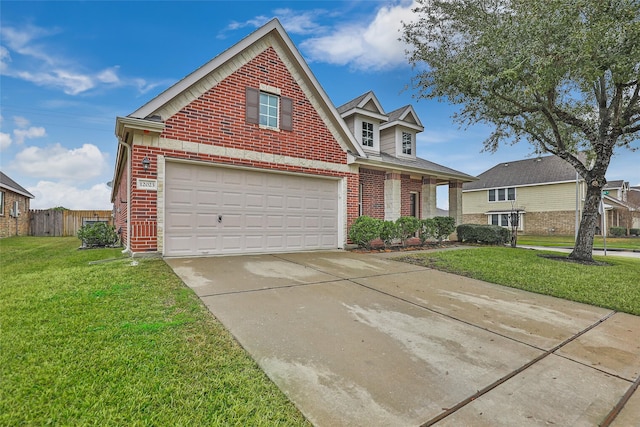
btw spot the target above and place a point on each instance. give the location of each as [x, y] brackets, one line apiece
[147, 184]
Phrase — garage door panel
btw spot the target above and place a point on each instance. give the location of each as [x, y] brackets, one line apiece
[261, 211]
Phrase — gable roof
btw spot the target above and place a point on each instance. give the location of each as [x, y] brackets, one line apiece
[11, 185]
[541, 170]
[363, 104]
[620, 183]
[208, 75]
[405, 116]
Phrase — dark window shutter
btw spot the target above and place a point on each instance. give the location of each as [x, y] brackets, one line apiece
[286, 113]
[252, 105]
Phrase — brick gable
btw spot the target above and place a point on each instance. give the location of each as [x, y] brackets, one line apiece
[218, 116]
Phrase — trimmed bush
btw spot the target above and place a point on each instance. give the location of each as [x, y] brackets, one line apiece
[363, 230]
[634, 232]
[481, 233]
[617, 231]
[443, 227]
[388, 232]
[97, 234]
[407, 227]
[427, 229]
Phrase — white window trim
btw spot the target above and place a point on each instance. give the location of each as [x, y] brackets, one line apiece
[506, 194]
[376, 133]
[277, 96]
[2, 198]
[520, 219]
[399, 152]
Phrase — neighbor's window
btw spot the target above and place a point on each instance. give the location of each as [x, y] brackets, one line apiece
[502, 194]
[1, 202]
[503, 219]
[407, 143]
[367, 134]
[268, 110]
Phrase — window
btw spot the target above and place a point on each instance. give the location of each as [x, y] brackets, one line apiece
[1, 202]
[367, 134]
[268, 110]
[503, 219]
[360, 189]
[502, 194]
[407, 143]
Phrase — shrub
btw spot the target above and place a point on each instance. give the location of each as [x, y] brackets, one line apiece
[427, 229]
[97, 234]
[388, 232]
[487, 234]
[443, 227]
[363, 230]
[407, 227]
[634, 232]
[617, 231]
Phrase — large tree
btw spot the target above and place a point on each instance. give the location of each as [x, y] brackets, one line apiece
[560, 74]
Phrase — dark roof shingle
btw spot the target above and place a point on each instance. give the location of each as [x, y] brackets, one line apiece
[10, 184]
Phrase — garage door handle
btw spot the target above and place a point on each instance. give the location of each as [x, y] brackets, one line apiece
[219, 218]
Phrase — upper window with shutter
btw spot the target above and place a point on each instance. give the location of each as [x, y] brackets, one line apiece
[268, 109]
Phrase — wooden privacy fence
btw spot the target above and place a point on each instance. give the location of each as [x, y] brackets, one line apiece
[60, 223]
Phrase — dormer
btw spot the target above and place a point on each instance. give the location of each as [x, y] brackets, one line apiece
[363, 116]
[398, 133]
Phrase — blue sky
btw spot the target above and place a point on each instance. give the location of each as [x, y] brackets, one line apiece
[67, 69]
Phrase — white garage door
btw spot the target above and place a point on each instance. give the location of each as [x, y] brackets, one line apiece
[218, 210]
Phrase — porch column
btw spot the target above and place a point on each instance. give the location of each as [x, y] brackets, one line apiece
[392, 196]
[429, 208]
[455, 201]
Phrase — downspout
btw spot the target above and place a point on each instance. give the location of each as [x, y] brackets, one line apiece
[128, 147]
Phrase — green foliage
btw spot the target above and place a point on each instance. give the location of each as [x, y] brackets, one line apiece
[97, 234]
[407, 226]
[114, 344]
[617, 231]
[560, 74]
[612, 285]
[483, 233]
[427, 229]
[388, 232]
[363, 230]
[443, 227]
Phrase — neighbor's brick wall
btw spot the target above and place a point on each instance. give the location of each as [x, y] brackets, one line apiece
[408, 186]
[120, 207]
[7, 222]
[218, 118]
[372, 192]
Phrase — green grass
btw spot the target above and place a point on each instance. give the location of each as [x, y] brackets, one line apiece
[115, 344]
[627, 243]
[615, 285]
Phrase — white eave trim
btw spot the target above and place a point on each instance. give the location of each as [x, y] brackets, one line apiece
[15, 190]
[130, 123]
[408, 125]
[380, 164]
[573, 181]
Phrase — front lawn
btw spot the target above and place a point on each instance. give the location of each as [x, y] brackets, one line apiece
[615, 286]
[118, 343]
[627, 243]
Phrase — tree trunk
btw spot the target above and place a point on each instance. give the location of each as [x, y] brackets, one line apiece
[583, 250]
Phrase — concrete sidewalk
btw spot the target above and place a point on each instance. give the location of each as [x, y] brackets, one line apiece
[356, 339]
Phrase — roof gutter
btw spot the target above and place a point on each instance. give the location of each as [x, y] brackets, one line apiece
[420, 171]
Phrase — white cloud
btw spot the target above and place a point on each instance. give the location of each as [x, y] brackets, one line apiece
[293, 21]
[32, 132]
[23, 45]
[52, 194]
[21, 122]
[368, 46]
[5, 140]
[58, 162]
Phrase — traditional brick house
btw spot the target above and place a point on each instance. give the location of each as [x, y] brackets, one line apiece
[543, 191]
[247, 154]
[14, 208]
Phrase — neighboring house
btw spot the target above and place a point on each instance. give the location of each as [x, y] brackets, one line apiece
[247, 154]
[623, 210]
[14, 208]
[546, 193]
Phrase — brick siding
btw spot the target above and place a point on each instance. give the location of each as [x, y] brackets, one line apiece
[372, 182]
[7, 222]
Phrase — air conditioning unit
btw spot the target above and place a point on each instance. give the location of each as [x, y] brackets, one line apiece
[15, 210]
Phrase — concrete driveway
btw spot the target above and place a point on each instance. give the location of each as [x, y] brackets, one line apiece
[360, 340]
